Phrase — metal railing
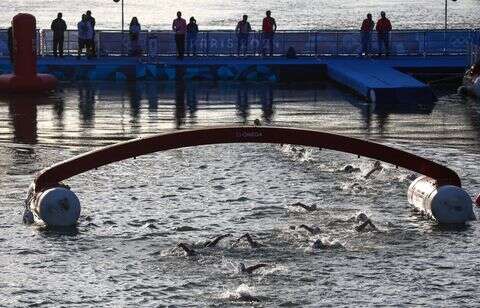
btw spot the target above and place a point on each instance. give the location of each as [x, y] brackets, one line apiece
[224, 43]
[474, 47]
[4, 52]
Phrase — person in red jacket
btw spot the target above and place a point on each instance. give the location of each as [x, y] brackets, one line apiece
[269, 26]
[383, 32]
[366, 34]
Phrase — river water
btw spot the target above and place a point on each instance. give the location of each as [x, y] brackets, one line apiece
[135, 212]
[217, 14]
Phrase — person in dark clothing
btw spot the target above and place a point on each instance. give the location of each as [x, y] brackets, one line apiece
[242, 30]
[179, 26]
[269, 26]
[366, 35]
[58, 27]
[192, 31]
[383, 32]
[134, 32]
[92, 41]
[10, 44]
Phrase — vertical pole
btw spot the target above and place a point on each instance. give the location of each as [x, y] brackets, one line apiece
[425, 44]
[123, 28]
[123, 17]
[446, 14]
[337, 43]
[445, 29]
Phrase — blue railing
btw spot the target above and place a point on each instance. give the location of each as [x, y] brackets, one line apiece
[474, 47]
[305, 43]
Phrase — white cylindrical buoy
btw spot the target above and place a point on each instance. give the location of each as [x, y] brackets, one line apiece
[57, 207]
[462, 90]
[372, 96]
[447, 204]
[476, 87]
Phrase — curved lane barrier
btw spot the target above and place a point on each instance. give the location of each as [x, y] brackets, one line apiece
[437, 177]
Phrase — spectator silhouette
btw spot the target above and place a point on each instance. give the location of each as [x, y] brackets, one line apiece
[366, 35]
[269, 26]
[58, 27]
[179, 26]
[192, 31]
[85, 35]
[243, 30]
[383, 32]
[134, 32]
[91, 20]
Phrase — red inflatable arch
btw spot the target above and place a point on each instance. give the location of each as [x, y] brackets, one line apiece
[59, 172]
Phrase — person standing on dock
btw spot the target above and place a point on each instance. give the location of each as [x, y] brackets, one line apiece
[134, 32]
[192, 32]
[383, 34]
[242, 31]
[91, 20]
[366, 35]
[58, 27]
[269, 26]
[85, 34]
[179, 26]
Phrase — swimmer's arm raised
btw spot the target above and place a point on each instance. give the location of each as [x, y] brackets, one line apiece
[250, 240]
[309, 229]
[188, 251]
[364, 225]
[216, 240]
[252, 268]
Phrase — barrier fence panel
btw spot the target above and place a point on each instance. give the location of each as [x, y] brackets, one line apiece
[4, 52]
[70, 43]
[406, 43]
[447, 42]
[161, 43]
[118, 43]
[225, 43]
[474, 48]
[303, 42]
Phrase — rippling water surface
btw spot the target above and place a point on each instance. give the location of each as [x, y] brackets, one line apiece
[136, 211]
[218, 14]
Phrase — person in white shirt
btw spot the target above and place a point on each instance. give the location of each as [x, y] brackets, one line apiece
[85, 36]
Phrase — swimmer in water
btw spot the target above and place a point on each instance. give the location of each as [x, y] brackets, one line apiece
[366, 224]
[257, 122]
[319, 244]
[311, 230]
[216, 240]
[249, 270]
[377, 166]
[250, 240]
[350, 169]
[188, 251]
[191, 252]
[311, 208]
